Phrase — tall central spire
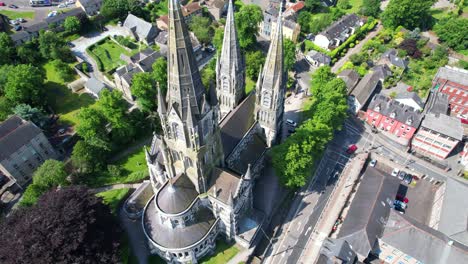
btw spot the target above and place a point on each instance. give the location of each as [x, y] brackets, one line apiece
[183, 76]
[230, 68]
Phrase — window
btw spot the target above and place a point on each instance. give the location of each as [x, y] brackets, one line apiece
[225, 84]
[186, 254]
[266, 99]
[176, 131]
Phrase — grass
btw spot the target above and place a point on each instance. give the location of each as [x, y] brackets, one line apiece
[109, 54]
[18, 14]
[249, 85]
[113, 198]
[62, 100]
[134, 170]
[223, 253]
[356, 5]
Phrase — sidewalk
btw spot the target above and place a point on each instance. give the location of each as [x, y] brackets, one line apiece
[333, 208]
[115, 187]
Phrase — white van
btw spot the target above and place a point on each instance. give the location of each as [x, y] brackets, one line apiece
[291, 123]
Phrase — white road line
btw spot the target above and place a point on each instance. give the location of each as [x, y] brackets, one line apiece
[298, 226]
[308, 229]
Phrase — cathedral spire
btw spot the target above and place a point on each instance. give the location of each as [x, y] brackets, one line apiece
[273, 68]
[183, 75]
[230, 67]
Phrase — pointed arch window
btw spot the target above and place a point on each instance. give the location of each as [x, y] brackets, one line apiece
[176, 128]
[225, 84]
[266, 99]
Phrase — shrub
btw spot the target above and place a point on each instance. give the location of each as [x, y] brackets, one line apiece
[351, 45]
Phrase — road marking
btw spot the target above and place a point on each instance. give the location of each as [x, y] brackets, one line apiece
[308, 229]
[299, 226]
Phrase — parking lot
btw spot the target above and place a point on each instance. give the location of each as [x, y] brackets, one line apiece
[40, 13]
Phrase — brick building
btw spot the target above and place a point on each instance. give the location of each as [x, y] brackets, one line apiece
[397, 121]
[23, 149]
[453, 82]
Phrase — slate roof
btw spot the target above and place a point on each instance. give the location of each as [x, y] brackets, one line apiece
[438, 103]
[252, 152]
[403, 113]
[139, 26]
[453, 74]
[366, 87]
[444, 124]
[162, 37]
[94, 85]
[454, 214]
[59, 18]
[236, 124]
[383, 71]
[15, 133]
[340, 26]
[333, 249]
[368, 211]
[411, 95]
[226, 183]
[319, 57]
[179, 237]
[422, 242]
[176, 197]
[350, 77]
[392, 56]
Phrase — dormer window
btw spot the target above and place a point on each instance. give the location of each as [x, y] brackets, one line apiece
[392, 115]
[377, 108]
[409, 121]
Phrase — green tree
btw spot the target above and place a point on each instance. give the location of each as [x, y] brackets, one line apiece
[253, 61]
[304, 18]
[65, 72]
[370, 8]
[27, 53]
[343, 4]
[208, 74]
[144, 89]
[247, 21]
[86, 158]
[49, 175]
[218, 39]
[119, 9]
[289, 54]
[453, 31]
[52, 46]
[24, 85]
[5, 108]
[72, 24]
[160, 73]
[32, 114]
[407, 13]
[7, 49]
[313, 5]
[330, 104]
[320, 78]
[92, 127]
[201, 27]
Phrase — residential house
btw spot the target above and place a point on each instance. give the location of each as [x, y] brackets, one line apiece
[404, 240]
[291, 29]
[140, 62]
[390, 58]
[383, 71]
[453, 82]
[336, 252]
[188, 11]
[317, 59]
[367, 213]
[140, 29]
[292, 9]
[94, 86]
[216, 8]
[338, 32]
[350, 77]
[90, 7]
[438, 135]
[161, 40]
[410, 99]
[369, 85]
[397, 121]
[24, 148]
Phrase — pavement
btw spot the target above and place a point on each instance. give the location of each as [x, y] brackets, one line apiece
[40, 12]
[137, 239]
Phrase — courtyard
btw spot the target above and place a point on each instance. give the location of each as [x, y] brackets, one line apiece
[107, 53]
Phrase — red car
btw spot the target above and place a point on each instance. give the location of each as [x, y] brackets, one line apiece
[351, 149]
[2, 4]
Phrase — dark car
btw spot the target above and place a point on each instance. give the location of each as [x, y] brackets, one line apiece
[71, 45]
[408, 179]
[18, 28]
[401, 175]
[13, 6]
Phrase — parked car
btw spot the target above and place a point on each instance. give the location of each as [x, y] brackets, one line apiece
[14, 22]
[395, 172]
[351, 149]
[291, 123]
[408, 178]
[52, 14]
[372, 163]
[399, 205]
[62, 5]
[13, 6]
[18, 27]
[401, 175]
[2, 4]
[20, 20]
[71, 45]
[402, 198]
[62, 131]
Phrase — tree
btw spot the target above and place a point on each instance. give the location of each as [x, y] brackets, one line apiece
[72, 24]
[5, 108]
[218, 39]
[67, 225]
[49, 175]
[119, 9]
[313, 5]
[7, 49]
[86, 158]
[52, 46]
[407, 13]
[331, 105]
[32, 114]
[253, 61]
[370, 8]
[64, 70]
[320, 78]
[92, 128]
[453, 32]
[201, 27]
[24, 85]
[410, 45]
[343, 4]
[208, 74]
[143, 88]
[160, 73]
[27, 53]
[289, 54]
[247, 21]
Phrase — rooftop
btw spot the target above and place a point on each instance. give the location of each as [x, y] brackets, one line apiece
[15, 133]
[140, 26]
[398, 111]
[224, 182]
[412, 96]
[444, 124]
[453, 74]
[350, 77]
[175, 197]
[438, 103]
[337, 28]
[366, 87]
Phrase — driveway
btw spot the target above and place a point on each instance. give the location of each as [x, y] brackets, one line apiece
[356, 48]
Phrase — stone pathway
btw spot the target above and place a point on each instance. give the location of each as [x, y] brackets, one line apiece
[115, 187]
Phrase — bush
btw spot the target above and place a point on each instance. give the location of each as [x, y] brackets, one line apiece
[351, 45]
[84, 67]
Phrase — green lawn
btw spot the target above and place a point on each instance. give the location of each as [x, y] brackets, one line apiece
[223, 253]
[356, 5]
[113, 198]
[18, 14]
[62, 100]
[134, 170]
[109, 54]
[249, 85]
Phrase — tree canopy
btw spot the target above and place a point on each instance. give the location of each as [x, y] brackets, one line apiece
[24, 84]
[72, 24]
[119, 9]
[320, 78]
[160, 73]
[253, 61]
[407, 13]
[144, 88]
[7, 49]
[67, 225]
[370, 8]
[289, 54]
[247, 21]
[453, 31]
[32, 114]
[201, 27]
[92, 128]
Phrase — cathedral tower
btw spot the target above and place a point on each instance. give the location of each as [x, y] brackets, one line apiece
[191, 143]
[270, 88]
[230, 70]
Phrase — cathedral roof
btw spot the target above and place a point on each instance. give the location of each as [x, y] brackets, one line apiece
[235, 125]
[250, 154]
[225, 183]
[177, 196]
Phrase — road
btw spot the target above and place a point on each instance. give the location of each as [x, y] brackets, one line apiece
[356, 48]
